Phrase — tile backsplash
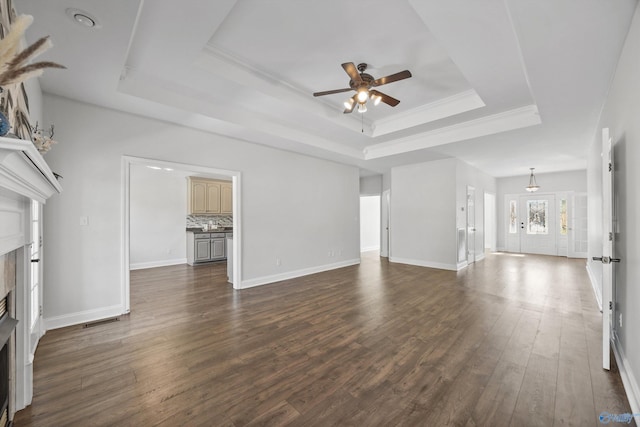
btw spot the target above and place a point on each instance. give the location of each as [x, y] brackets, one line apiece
[197, 221]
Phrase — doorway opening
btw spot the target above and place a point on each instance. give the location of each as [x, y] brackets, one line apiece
[127, 163]
[369, 223]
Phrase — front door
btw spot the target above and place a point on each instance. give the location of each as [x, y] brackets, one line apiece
[538, 224]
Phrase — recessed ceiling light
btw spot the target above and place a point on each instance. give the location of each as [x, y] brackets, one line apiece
[154, 168]
[83, 18]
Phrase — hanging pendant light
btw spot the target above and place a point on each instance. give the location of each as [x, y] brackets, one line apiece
[533, 186]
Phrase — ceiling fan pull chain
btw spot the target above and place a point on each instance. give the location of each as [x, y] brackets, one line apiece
[362, 122]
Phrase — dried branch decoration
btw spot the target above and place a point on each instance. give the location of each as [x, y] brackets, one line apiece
[13, 65]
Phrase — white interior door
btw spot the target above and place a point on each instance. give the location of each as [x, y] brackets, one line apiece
[471, 225]
[607, 246]
[384, 220]
[538, 224]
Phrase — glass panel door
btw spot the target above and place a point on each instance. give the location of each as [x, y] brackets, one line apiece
[538, 224]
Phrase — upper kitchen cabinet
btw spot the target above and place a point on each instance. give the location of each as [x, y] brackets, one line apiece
[207, 196]
[226, 198]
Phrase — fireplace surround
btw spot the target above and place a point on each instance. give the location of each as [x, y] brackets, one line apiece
[24, 176]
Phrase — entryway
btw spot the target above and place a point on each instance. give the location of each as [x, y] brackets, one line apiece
[547, 224]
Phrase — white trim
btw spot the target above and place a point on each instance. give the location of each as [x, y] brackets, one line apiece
[461, 265]
[501, 249]
[594, 283]
[440, 109]
[628, 380]
[80, 317]
[480, 257]
[370, 248]
[488, 125]
[265, 280]
[24, 171]
[153, 264]
[421, 263]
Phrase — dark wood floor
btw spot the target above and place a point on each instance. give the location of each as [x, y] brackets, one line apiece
[511, 340]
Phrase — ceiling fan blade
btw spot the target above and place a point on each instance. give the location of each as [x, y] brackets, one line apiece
[329, 92]
[352, 71]
[354, 102]
[389, 100]
[392, 78]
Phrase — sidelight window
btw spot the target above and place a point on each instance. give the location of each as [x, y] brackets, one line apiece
[563, 217]
[513, 217]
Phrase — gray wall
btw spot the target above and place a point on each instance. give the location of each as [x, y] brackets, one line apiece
[426, 208]
[621, 115]
[299, 209]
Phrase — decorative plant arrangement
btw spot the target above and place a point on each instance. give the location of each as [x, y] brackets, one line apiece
[13, 65]
[43, 140]
[16, 67]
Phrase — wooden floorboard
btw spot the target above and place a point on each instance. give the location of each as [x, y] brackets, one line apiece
[508, 341]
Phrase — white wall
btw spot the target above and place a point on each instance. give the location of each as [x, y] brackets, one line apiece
[426, 208]
[371, 185]
[369, 223]
[548, 182]
[281, 218]
[158, 211]
[620, 115]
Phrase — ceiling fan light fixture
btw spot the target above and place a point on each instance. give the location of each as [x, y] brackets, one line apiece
[362, 108]
[533, 185]
[348, 104]
[376, 99]
[363, 95]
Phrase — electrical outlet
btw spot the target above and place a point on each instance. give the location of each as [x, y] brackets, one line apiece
[620, 319]
[84, 220]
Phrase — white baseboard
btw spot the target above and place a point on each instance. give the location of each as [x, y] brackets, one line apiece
[265, 280]
[594, 286]
[65, 320]
[480, 257]
[501, 249]
[421, 263]
[370, 248]
[152, 264]
[629, 380]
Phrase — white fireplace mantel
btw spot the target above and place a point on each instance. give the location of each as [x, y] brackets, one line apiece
[24, 171]
[24, 175]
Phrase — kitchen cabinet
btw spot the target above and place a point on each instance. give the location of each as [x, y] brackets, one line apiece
[205, 247]
[226, 198]
[208, 196]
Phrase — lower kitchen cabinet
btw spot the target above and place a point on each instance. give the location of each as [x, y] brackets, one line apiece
[205, 247]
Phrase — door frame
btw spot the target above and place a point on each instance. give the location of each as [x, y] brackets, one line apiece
[471, 225]
[125, 221]
[385, 224]
[608, 236]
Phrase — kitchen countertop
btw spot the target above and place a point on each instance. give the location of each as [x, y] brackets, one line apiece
[219, 230]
